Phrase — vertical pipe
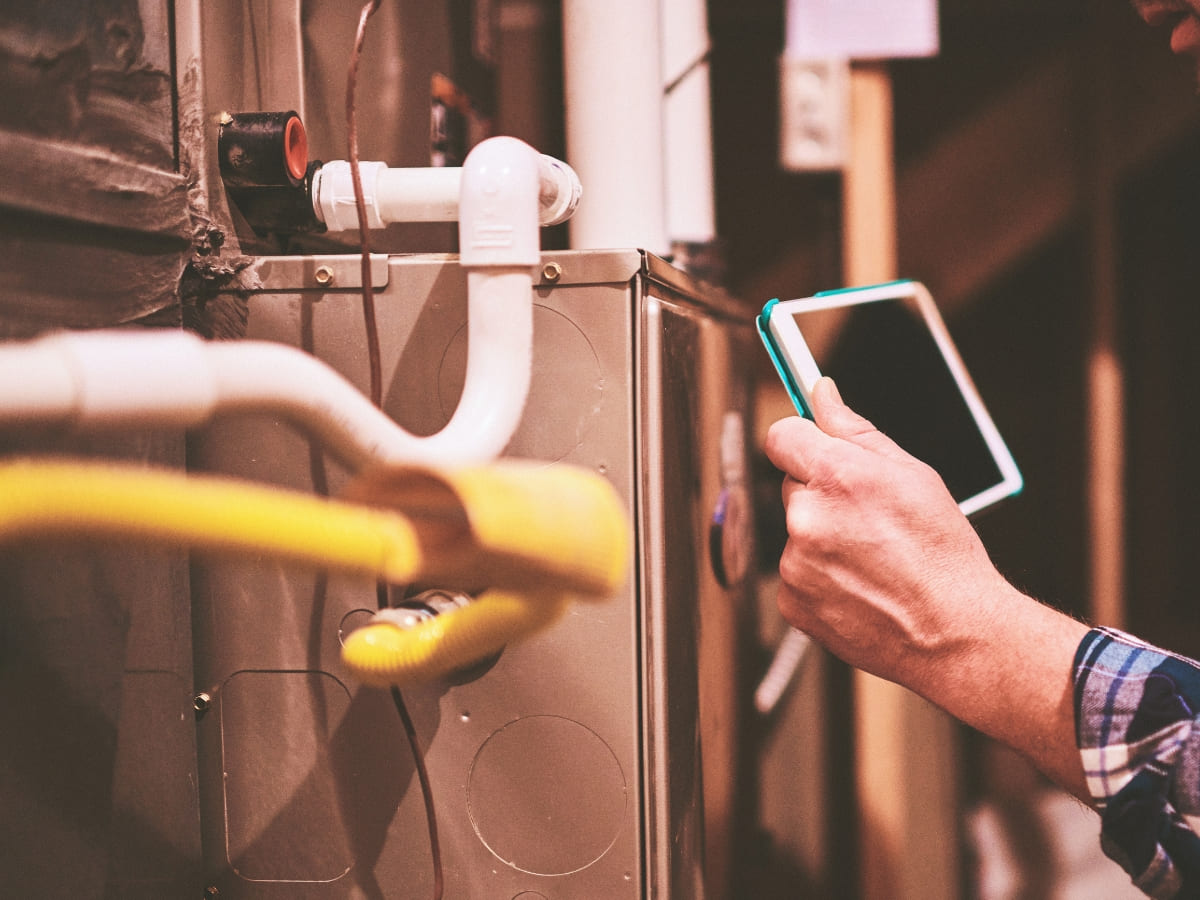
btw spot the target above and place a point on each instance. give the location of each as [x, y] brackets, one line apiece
[276, 70]
[687, 123]
[614, 118]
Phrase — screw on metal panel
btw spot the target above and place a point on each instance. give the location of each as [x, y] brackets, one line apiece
[552, 271]
[201, 702]
[323, 275]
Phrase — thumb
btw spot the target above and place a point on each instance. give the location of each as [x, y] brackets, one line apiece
[835, 418]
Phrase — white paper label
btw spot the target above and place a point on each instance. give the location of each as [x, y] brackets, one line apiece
[861, 29]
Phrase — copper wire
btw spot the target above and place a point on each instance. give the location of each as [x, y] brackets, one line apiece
[376, 366]
[368, 289]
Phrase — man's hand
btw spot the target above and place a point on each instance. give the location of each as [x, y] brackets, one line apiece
[883, 569]
[880, 564]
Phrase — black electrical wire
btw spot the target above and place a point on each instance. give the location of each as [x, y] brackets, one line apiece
[426, 792]
[376, 365]
[410, 731]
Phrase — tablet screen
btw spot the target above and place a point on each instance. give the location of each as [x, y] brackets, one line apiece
[889, 368]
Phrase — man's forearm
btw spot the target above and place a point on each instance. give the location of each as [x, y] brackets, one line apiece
[1013, 682]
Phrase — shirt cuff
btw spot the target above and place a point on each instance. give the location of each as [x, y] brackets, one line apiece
[1135, 706]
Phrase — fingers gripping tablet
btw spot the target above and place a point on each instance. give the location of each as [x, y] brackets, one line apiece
[893, 360]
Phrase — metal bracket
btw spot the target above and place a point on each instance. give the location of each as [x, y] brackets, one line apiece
[326, 273]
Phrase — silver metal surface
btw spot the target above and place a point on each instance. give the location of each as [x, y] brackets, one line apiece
[693, 392]
[588, 762]
[332, 271]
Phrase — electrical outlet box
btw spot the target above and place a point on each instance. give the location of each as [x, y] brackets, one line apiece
[814, 97]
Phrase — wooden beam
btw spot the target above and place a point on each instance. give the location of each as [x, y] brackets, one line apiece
[1105, 366]
[906, 767]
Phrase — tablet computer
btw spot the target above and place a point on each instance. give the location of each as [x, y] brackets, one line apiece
[892, 358]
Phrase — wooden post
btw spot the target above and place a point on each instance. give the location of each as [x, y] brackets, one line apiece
[906, 766]
[1105, 371]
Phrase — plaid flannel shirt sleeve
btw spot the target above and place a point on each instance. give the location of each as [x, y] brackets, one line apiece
[1136, 712]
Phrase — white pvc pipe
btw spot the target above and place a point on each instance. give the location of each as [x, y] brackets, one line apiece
[614, 118]
[417, 195]
[110, 379]
[174, 379]
[265, 377]
[499, 367]
[103, 380]
[687, 123]
[389, 195]
[425, 195]
[781, 673]
[498, 208]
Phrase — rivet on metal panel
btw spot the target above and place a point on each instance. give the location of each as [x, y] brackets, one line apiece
[552, 271]
[323, 275]
[201, 702]
[212, 891]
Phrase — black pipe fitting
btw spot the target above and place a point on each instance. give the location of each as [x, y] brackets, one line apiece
[263, 159]
[262, 149]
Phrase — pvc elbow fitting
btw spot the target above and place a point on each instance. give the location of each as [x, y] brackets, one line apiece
[333, 195]
[498, 209]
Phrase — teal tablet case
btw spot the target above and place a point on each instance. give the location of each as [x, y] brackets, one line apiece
[785, 374]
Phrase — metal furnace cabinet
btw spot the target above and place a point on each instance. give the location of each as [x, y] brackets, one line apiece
[596, 760]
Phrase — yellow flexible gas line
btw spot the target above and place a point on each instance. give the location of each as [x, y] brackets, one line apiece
[384, 653]
[512, 519]
[532, 535]
[64, 498]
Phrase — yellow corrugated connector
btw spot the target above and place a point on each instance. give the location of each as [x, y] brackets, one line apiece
[515, 523]
[526, 535]
[549, 532]
[384, 652]
[42, 499]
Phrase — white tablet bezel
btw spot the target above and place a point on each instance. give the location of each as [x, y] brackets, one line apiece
[791, 352]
